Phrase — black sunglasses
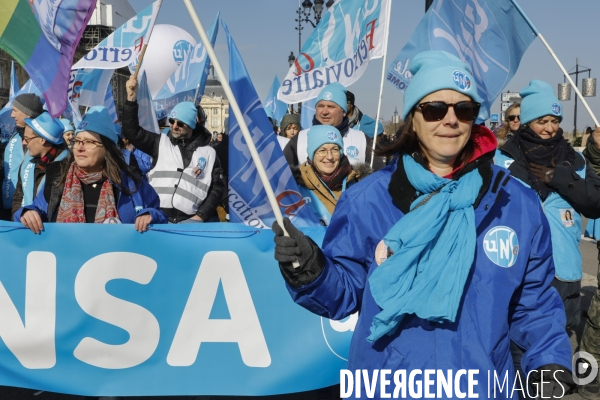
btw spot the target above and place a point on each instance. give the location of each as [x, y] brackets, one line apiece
[511, 118]
[179, 123]
[466, 111]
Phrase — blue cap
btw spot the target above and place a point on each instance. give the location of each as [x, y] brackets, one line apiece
[98, 120]
[67, 124]
[318, 135]
[185, 112]
[47, 127]
[437, 70]
[538, 100]
[335, 92]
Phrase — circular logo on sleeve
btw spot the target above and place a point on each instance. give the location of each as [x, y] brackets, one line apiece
[461, 80]
[556, 109]
[327, 96]
[501, 245]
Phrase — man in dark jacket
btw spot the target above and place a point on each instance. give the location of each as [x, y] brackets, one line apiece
[186, 173]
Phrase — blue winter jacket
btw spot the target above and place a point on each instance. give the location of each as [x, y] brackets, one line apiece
[143, 201]
[507, 294]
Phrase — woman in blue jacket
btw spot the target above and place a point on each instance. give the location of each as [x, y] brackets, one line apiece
[94, 184]
[429, 252]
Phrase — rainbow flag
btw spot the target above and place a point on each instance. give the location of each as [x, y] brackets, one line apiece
[42, 37]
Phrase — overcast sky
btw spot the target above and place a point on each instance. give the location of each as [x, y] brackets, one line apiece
[264, 32]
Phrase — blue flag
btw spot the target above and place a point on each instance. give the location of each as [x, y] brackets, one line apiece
[489, 35]
[146, 113]
[277, 107]
[190, 76]
[308, 113]
[248, 201]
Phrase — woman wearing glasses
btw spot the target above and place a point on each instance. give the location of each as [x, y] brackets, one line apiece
[511, 125]
[327, 172]
[429, 252]
[540, 157]
[93, 184]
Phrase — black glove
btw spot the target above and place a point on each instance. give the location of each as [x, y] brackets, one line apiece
[543, 173]
[551, 381]
[297, 247]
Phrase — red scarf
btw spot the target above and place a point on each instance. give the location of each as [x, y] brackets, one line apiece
[72, 205]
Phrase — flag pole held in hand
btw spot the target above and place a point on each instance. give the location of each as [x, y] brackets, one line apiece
[239, 117]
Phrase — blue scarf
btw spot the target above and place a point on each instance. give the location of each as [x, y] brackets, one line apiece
[433, 248]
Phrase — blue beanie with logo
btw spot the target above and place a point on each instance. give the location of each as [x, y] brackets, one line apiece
[335, 92]
[67, 124]
[185, 112]
[538, 100]
[437, 70]
[47, 128]
[97, 120]
[318, 135]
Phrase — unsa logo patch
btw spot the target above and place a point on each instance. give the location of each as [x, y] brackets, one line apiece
[173, 114]
[461, 80]
[501, 245]
[331, 135]
[352, 151]
[556, 109]
[82, 125]
[327, 96]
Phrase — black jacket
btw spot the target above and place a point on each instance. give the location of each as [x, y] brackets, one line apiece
[582, 194]
[148, 142]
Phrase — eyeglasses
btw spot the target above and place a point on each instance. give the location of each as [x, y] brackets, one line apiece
[87, 144]
[511, 118]
[179, 123]
[323, 152]
[26, 140]
[466, 111]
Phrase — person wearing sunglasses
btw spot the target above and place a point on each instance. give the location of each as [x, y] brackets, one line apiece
[327, 172]
[93, 184]
[43, 138]
[511, 124]
[186, 172]
[542, 159]
[429, 253]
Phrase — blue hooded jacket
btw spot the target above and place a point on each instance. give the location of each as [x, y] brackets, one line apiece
[507, 294]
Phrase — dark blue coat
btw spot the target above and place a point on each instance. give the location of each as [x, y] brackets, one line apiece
[504, 298]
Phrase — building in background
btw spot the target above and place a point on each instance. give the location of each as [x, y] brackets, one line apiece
[215, 105]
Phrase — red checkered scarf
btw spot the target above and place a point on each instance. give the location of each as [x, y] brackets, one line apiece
[72, 205]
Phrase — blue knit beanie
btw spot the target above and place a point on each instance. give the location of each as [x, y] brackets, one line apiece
[335, 92]
[185, 112]
[67, 124]
[538, 100]
[47, 128]
[318, 135]
[437, 70]
[97, 120]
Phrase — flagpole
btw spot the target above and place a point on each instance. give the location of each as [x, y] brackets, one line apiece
[562, 68]
[564, 71]
[385, 43]
[139, 65]
[238, 116]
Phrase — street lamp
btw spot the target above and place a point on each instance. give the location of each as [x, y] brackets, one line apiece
[589, 89]
[291, 60]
